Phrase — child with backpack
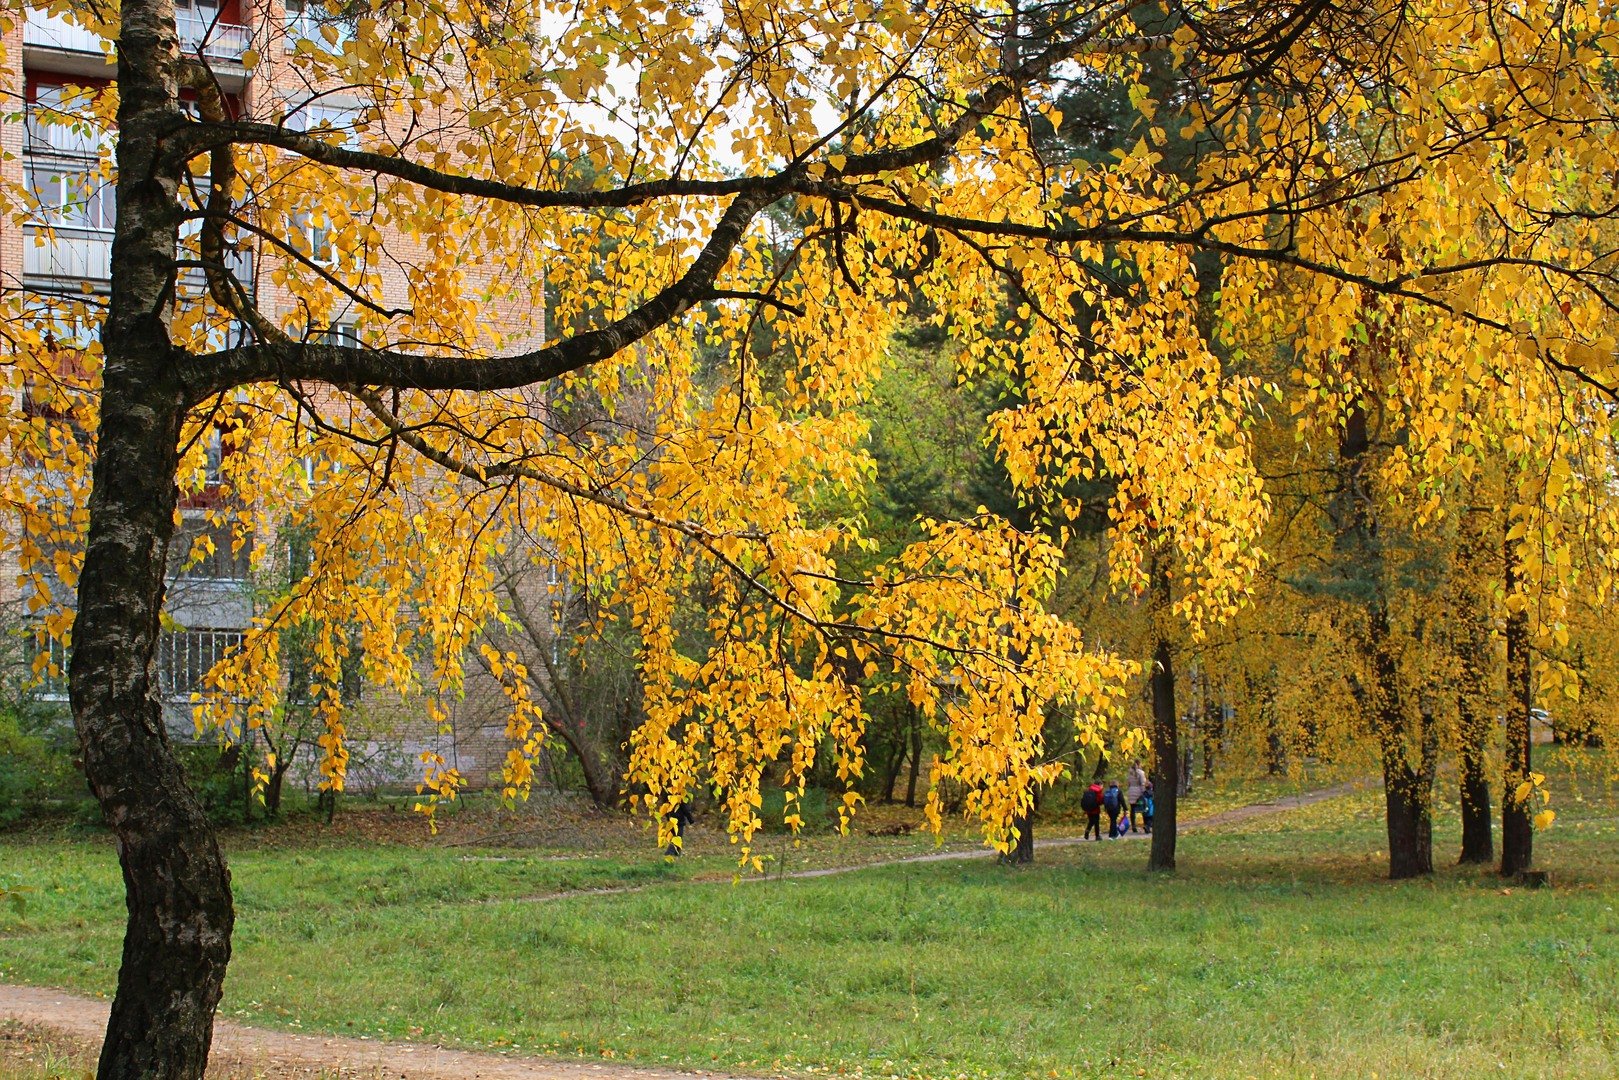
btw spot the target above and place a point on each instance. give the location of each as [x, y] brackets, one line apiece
[1113, 803]
[1146, 809]
[1091, 802]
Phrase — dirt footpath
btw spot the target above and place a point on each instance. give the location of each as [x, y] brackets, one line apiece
[259, 1054]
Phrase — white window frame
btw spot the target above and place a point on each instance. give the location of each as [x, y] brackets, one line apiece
[305, 18]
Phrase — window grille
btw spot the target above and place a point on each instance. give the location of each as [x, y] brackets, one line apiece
[185, 656]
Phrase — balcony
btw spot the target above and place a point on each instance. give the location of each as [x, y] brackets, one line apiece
[56, 32]
[215, 39]
[61, 256]
[50, 133]
[68, 253]
[79, 51]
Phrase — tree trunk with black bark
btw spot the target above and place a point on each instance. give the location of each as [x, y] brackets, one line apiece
[176, 884]
[1517, 832]
[274, 787]
[1166, 758]
[1405, 737]
[1275, 740]
[916, 757]
[1022, 853]
[1213, 732]
[1478, 843]
[1408, 759]
[896, 759]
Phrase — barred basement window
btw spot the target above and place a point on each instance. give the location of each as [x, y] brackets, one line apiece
[185, 656]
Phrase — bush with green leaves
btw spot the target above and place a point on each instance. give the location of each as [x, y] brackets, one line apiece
[38, 774]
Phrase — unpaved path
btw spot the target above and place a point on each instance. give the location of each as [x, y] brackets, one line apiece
[1225, 817]
[247, 1051]
[256, 1052]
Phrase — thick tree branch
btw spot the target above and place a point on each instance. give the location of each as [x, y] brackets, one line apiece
[288, 361]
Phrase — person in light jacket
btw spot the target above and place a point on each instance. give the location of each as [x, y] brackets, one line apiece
[1134, 786]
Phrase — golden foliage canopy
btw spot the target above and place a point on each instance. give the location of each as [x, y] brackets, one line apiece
[724, 211]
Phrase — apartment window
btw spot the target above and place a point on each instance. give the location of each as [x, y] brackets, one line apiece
[201, 10]
[308, 20]
[214, 462]
[56, 128]
[62, 323]
[50, 666]
[216, 562]
[343, 333]
[184, 657]
[326, 119]
[232, 334]
[318, 238]
[321, 249]
[69, 198]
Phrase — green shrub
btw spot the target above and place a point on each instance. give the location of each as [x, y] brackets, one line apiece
[812, 807]
[217, 777]
[38, 773]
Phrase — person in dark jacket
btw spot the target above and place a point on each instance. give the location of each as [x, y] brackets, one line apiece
[679, 819]
[1113, 803]
[1091, 802]
[1146, 808]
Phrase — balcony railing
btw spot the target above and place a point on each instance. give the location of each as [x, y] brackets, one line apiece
[68, 252]
[198, 32]
[51, 132]
[56, 32]
[71, 253]
[214, 39]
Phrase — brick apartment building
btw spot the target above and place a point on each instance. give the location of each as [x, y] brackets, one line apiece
[64, 249]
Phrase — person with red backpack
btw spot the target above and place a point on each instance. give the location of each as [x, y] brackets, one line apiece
[1091, 803]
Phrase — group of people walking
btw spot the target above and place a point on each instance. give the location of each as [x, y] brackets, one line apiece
[1126, 810]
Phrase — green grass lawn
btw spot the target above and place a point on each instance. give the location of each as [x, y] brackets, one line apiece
[1277, 950]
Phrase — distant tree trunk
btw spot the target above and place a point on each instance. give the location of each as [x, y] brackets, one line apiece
[1022, 853]
[1261, 695]
[1275, 753]
[1407, 784]
[916, 757]
[1213, 731]
[601, 780]
[273, 788]
[891, 772]
[1166, 757]
[1410, 828]
[1478, 844]
[1517, 832]
[1406, 739]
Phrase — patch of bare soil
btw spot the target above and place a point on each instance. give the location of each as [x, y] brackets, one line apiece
[54, 1036]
